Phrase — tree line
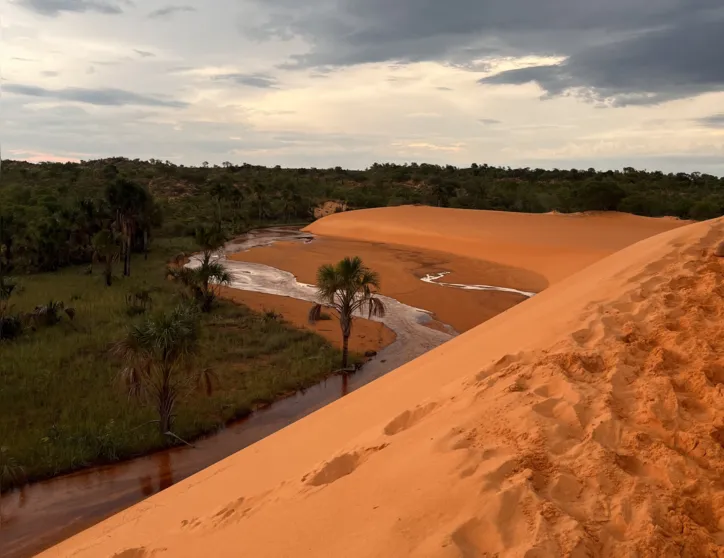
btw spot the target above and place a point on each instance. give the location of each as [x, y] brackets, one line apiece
[50, 212]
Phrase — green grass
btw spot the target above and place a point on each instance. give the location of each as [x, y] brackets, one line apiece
[61, 405]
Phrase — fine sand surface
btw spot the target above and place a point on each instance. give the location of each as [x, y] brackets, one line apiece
[367, 335]
[585, 421]
[553, 245]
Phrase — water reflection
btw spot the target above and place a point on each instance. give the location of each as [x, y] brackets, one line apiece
[345, 385]
[44, 513]
[165, 471]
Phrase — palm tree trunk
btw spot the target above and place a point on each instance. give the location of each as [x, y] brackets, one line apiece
[127, 261]
[165, 410]
[129, 239]
[109, 271]
[345, 349]
[145, 243]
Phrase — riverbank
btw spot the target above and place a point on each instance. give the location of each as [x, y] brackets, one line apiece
[366, 334]
[63, 408]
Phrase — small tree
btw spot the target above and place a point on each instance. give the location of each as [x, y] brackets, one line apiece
[10, 326]
[11, 473]
[7, 287]
[160, 353]
[107, 248]
[347, 287]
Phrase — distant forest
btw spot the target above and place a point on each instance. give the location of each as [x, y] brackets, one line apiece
[50, 212]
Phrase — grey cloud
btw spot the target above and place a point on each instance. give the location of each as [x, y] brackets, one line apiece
[20, 59]
[103, 97]
[648, 68]
[54, 8]
[713, 121]
[170, 11]
[444, 88]
[49, 73]
[261, 81]
[616, 51]
[488, 121]
[143, 53]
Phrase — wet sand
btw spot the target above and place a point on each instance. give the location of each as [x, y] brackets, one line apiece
[366, 334]
[401, 271]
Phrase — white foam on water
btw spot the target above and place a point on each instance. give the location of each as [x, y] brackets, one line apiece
[413, 338]
[434, 279]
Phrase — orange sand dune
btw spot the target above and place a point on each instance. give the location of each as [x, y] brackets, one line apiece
[552, 244]
[586, 421]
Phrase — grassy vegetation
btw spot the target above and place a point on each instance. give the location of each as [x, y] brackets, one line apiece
[63, 407]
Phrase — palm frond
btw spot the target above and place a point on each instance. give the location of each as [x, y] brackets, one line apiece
[216, 272]
[376, 308]
[184, 275]
[350, 268]
[328, 282]
[206, 380]
[369, 279]
[132, 379]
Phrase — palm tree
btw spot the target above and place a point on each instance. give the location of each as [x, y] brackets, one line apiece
[203, 281]
[159, 353]
[10, 472]
[236, 197]
[348, 287]
[210, 239]
[128, 200]
[107, 248]
[259, 192]
[220, 190]
[290, 201]
[7, 286]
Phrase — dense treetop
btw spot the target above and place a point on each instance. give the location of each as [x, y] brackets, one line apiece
[50, 211]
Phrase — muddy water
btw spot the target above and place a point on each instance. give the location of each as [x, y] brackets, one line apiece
[42, 514]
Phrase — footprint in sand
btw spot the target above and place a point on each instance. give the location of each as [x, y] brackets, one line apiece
[409, 418]
[340, 466]
[139, 552]
[131, 553]
[231, 512]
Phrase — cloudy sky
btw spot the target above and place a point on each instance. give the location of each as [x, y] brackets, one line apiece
[539, 83]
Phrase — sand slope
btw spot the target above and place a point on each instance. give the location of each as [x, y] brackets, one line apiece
[586, 421]
[554, 245]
